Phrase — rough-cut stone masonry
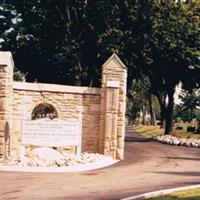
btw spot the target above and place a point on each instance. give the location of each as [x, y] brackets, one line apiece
[102, 110]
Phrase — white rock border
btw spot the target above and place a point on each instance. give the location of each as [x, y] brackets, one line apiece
[169, 139]
[76, 168]
[49, 160]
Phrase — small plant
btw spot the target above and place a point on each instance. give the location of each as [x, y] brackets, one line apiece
[19, 76]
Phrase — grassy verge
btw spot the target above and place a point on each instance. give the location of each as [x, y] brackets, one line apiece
[150, 131]
[192, 194]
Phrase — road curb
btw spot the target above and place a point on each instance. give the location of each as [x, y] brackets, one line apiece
[160, 192]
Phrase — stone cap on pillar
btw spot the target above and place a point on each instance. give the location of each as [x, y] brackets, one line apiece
[114, 61]
[6, 59]
[114, 72]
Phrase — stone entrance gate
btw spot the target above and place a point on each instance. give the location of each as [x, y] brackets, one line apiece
[102, 110]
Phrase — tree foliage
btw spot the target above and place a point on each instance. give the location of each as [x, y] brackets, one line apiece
[189, 107]
[137, 99]
[140, 102]
[19, 76]
[162, 41]
[58, 37]
[69, 39]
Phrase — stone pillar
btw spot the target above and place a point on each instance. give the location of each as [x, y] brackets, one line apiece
[6, 100]
[113, 105]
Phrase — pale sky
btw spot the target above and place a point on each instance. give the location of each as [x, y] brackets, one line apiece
[178, 91]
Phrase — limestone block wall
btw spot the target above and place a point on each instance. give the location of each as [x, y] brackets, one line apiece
[102, 110]
[70, 103]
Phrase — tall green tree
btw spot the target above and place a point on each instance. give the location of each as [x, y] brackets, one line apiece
[189, 107]
[56, 37]
[157, 38]
[6, 22]
[140, 101]
[174, 53]
[164, 40]
[137, 101]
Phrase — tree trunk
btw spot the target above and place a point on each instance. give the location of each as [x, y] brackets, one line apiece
[144, 115]
[162, 115]
[162, 102]
[151, 110]
[191, 115]
[169, 114]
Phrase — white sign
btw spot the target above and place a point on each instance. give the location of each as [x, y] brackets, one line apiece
[51, 133]
[113, 84]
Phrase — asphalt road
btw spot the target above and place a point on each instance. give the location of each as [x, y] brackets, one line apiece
[148, 166]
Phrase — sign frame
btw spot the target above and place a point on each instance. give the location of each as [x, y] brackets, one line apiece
[57, 139]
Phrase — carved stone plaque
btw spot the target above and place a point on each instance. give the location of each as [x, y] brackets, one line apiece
[51, 133]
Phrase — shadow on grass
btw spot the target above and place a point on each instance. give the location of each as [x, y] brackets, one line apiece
[184, 158]
[173, 197]
[136, 139]
[132, 136]
[187, 173]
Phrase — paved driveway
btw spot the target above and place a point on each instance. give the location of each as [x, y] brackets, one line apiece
[147, 166]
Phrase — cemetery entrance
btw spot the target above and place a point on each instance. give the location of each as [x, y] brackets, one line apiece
[100, 112]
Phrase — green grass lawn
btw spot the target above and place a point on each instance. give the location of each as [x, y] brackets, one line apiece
[150, 131]
[192, 194]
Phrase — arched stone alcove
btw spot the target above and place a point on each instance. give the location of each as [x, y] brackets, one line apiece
[44, 110]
